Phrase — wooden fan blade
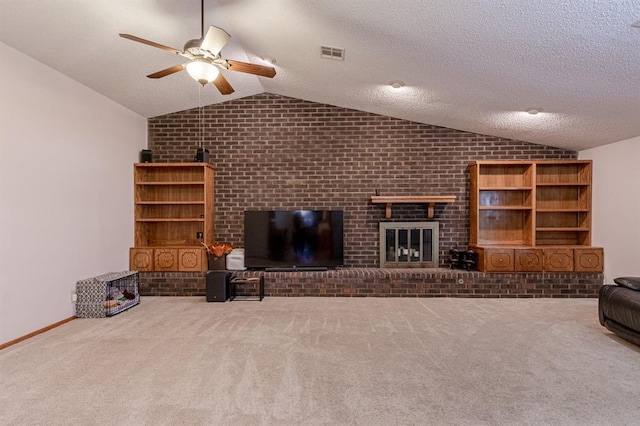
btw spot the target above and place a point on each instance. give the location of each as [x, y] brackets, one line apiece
[167, 71]
[223, 85]
[151, 43]
[260, 70]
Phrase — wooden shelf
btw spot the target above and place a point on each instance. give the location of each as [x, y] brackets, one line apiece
[181, 219]
[174, 213]
[563, 229]
[562, 210]
[531, 204]
[168, 203]
[505, 188]
[195, 182]
[505, 208]
[429, 200]
[562, 184]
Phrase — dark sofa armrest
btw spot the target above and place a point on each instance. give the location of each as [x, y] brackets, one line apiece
[629, 282]
[621, 305]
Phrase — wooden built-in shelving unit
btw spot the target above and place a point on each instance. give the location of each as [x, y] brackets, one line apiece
[173, 208]
[532, 215]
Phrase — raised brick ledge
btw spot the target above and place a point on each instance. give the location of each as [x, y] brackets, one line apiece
[377, 282]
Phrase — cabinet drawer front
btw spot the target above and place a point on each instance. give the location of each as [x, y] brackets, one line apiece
[190, 260]
[140, 259]
[529, 260]
[499, 260]
[589, 259]
[558, 260]
[165, 259]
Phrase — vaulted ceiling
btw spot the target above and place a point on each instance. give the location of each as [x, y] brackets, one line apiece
[473, 65]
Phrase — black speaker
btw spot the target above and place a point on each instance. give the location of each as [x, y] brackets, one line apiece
[202, 155]
[218, 286]
[146, 156]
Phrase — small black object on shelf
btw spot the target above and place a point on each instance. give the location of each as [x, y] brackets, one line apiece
[202, 155]
[146, 156]
[466, 259]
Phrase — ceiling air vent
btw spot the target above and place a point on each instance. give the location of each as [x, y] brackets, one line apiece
[636, 24]
[335, 53]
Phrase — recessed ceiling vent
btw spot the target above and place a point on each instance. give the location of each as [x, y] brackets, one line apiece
[335, 53]
[636, 24]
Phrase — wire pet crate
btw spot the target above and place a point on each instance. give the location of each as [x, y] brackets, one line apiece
[107, 294]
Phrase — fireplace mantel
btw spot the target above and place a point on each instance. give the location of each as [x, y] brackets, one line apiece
[429, 200]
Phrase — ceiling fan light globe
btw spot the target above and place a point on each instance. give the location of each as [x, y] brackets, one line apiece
[202, 71]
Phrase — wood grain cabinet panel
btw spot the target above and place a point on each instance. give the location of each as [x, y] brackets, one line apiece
[588, 259]
[495, 259]
[558, 259]
[165, 259]
[529, 260]
[141, 259]
[190, 259]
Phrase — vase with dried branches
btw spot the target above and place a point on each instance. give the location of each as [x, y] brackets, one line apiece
[217, 255]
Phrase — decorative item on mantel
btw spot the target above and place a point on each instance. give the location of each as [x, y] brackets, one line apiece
[217, 255]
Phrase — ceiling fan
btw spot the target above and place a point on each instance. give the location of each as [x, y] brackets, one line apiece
[204, 57]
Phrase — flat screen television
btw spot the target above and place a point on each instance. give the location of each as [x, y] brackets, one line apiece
[293, 239]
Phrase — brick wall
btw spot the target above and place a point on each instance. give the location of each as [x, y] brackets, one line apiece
[274, 152]
[376, 282]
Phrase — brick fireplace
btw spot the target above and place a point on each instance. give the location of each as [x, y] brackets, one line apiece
[273, 152]
[409, 244]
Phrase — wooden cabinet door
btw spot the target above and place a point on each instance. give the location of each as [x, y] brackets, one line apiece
[588, 259]
[496, 259]
[190, 259]
[558, 259]
[140, 259]
[529, 260]
[165, 259]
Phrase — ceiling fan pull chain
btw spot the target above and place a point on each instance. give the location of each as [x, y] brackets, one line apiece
[200, 116]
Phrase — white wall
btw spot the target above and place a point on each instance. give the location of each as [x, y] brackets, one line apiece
[616, 206]
[66, 190]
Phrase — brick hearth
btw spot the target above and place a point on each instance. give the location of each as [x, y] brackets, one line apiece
[375, 282]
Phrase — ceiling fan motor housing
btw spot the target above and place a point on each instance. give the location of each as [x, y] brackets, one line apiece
[192, 44]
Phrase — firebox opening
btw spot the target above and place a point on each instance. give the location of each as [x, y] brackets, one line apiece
[409, 244]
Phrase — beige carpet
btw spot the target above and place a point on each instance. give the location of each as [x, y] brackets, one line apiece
[327, 361]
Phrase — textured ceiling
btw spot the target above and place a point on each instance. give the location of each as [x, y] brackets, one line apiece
[468, 65]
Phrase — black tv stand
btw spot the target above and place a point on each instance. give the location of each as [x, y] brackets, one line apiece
[297, 269]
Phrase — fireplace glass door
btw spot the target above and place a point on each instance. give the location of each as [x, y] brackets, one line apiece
[409, 244]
